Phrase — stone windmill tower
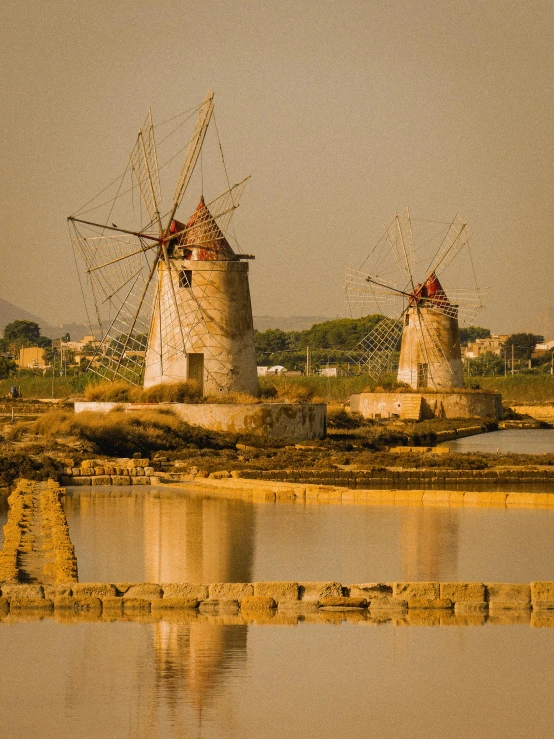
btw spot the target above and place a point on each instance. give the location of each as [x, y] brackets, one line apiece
[178, 293]
[423, 330]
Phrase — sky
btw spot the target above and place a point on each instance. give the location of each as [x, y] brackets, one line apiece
[343, 112]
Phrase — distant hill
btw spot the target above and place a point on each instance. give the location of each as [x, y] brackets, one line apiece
[288, 323]
[10, 312]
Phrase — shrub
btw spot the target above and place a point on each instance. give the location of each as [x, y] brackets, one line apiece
[110, 392]
[168, 392]
[121, 433]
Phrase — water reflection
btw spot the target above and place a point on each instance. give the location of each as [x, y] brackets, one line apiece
[181, 539]
[199, 540]
[429, 543]
[180, 536]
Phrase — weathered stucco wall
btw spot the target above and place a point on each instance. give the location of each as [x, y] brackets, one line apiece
[442, 405]
[273, 420]
[214, 319]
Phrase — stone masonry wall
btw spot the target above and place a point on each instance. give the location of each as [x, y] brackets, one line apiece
[428, 603]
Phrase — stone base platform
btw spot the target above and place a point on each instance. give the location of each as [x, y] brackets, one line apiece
[297, 422]
[419, 406]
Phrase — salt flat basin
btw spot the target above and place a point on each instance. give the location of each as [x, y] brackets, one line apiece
[173, 535]
[217, 681]
[509, 441]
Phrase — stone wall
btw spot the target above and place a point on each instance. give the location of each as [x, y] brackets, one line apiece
[272, 420]
[427, 602]
[110, 472]
[543, 412]
[326, 492]
[459, 404]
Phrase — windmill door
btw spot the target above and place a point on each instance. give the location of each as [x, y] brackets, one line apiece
[195, 369]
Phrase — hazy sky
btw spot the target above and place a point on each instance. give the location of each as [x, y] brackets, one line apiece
[343, 112]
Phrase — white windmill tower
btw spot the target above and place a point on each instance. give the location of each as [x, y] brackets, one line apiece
[420, 316]
[177, 293]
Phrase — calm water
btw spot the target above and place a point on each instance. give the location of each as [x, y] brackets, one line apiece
[176, 536]
[516, 441]
[122, 680]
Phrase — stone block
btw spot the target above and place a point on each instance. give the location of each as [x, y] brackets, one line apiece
[140, 481]
[463, 591]
[135, 604]
[139, 472]
[109, 470]
[74, 471]
[314, 591]
[140, 463]
[77, 604]
[185, 590]
[99, 471]
[253, 603]
[120, 480]
[508, 595]
[174, 603]
[93, 590]
[230, 590]
[17, 592]
[279, 591]
[298, 606]
[369, 590]
[101, 480]
[149, 471]
[541, 590]
[146, 590]
[58, 591]
[83, 480]
[443, 603]
[30, 604]
[469, 606]
[87, 464]
[387, 603]
[214, 606]
[410, 590]
[343, 602]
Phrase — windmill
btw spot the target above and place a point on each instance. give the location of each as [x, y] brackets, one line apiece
[420, 312]
[176, 294]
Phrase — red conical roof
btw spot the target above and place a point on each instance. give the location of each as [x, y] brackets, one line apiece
[203, 239]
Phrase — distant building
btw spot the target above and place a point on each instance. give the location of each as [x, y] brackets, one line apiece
[31, 357]
[275, 370]
[329, 371]
[491, 345]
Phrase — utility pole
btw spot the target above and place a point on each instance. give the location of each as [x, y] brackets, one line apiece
[307, 361]
[512, 359]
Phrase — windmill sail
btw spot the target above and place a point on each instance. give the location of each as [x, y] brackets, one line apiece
[423, 315]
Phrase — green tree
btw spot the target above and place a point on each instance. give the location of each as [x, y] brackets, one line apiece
[7, 366]
[22, 332]
[470, 333]
[523, 344]
[272, 340]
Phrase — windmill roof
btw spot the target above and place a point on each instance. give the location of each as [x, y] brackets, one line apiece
[203, 239]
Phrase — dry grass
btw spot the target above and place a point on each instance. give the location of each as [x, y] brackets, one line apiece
[120, 433]
[123, 392]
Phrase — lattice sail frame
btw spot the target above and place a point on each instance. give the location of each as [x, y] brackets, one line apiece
[122, 270]
[374, 352]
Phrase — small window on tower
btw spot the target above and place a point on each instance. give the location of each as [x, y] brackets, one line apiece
[407, 319]
[185, 278]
